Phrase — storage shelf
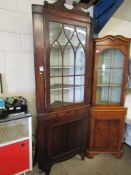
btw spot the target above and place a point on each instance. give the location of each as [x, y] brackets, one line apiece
[56, 46]
[67, 75]
[108, 85]
[106, 68]
[60, 103]
[65, 86]
[67, 67]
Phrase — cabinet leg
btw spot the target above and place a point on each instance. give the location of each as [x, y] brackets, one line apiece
[82, 156]
[118, 155]
[90, 154]
[48, 171]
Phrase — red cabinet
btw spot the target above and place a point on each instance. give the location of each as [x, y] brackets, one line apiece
[14, 158]
[15, 144]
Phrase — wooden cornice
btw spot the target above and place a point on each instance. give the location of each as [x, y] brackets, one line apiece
[60, 5]
[116, 40]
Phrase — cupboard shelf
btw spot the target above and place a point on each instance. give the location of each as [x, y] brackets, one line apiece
[108, 85]
[56, 46]
[67, 67]
[65, 86]
[108, 68]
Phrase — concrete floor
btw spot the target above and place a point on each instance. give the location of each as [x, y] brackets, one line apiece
[103, 164]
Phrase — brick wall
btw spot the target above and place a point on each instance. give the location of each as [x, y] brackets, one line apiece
[16, 50]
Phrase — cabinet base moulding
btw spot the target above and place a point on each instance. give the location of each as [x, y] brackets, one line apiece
[92, 154]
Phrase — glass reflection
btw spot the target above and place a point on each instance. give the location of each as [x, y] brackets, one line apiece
[102, 95]
[79, 94]
[69, 31]
[54, 31]
[80, 61]
[68, 64]
[118, 59]
[55, 61]
[103, 77]
[55, 91]
[81, 32]
[105, 59]
[114, 94]
[116, 76]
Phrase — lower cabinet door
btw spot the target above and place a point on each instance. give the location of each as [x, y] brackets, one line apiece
[106, 129]
[67, 136]
[14, 158]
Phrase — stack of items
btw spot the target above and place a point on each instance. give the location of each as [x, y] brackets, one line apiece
[12, 105]
[3, 110]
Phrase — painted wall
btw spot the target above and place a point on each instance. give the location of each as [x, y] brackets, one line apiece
[119, 27]
[116, 27]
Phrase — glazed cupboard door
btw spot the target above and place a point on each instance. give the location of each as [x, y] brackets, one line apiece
[66, 74]
[110, 76]
[109, 79]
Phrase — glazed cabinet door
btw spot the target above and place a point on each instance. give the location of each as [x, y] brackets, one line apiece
[110, 71]
[66, 63]
[109, 80]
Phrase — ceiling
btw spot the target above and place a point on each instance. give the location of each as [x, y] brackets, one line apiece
[124, 11]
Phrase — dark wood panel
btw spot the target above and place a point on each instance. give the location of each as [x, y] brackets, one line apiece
[68, 134]
[74, 135]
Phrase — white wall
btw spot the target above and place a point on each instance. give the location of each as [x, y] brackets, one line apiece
[116, 26]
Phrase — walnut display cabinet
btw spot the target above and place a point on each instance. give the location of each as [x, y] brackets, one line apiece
[63, 70]
[107, 113]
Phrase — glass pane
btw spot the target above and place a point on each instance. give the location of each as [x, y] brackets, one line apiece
[68, 95]
[62, 39]
[68, 60]
[79, 94]
[55, 30]
[116, 76]
[80, 61]
[117, 59]
[103, 77]
[56, 91]
[75, 41]
[79, 81]
[69, 31]
[81, 32]
[114, 94]
[105, 59]
[68, 82]
[102, 95]
[111, 58]
[68, 89]
[55, 61]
